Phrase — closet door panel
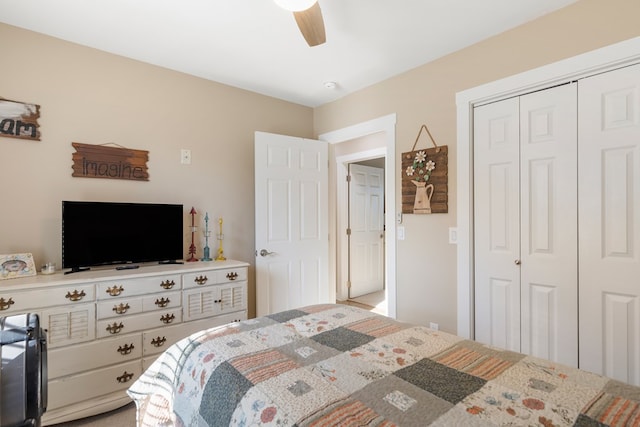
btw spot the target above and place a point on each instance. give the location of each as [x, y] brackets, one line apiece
[497, 224]
[609, 209]
[548, 188]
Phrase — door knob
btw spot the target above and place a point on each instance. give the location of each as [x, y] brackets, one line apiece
[264, 252]
[517, 262]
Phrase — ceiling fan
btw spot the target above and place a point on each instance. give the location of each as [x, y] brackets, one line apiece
[308, 16]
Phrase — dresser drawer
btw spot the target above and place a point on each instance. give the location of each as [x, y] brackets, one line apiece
[156, 341]
[232, 275]
[144, 285]
[161, 301]
[199, 279]
[22, 301]
[119, 307]
[69, 390]
[98, 353]
[138, 322]
[215, 277]
[148, 361]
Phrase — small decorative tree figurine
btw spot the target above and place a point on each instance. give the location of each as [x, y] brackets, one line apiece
[220, 256]
[192, 247]
[207, 234]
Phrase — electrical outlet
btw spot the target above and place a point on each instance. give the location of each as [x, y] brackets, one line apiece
[434, 326]
[185, 157]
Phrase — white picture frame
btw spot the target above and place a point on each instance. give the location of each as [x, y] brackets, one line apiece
[14, 266]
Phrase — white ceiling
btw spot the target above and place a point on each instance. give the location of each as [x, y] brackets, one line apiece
[255, 45]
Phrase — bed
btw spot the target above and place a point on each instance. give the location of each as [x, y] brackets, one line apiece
[338, 365]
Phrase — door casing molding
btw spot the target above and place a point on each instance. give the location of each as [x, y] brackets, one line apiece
[598, 61]
[342, 241]
[386, 124]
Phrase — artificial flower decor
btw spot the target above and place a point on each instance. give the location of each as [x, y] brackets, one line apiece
[421, 167]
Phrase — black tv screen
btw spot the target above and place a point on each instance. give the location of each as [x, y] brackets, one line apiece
[105, 233]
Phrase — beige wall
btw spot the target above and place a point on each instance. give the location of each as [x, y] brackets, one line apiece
[426, 266]
[93, 97]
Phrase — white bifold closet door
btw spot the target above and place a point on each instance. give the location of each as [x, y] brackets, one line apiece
[609, 194]
[525, 224]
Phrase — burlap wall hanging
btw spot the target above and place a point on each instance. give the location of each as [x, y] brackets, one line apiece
[424, 178]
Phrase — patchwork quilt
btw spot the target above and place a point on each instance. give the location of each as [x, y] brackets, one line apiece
[338, 365]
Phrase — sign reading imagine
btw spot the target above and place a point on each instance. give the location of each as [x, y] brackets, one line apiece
[99, 161]
[19, 120]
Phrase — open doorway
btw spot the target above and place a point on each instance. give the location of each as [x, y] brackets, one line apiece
[360, 221]
[374, 139]
[365, 234]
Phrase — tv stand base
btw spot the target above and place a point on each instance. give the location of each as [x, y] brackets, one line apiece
[127, 267]
[170, 262]
[77, 270]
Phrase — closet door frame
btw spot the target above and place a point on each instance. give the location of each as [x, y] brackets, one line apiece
[587, 64]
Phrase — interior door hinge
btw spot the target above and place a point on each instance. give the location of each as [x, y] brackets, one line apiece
[348, 178]
[348, 284]
[348, 232]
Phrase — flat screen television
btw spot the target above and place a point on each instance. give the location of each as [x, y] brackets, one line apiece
[110, 233]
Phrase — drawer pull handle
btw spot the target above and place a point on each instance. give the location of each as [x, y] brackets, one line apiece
[125, 378]
[115, 328]
[126, 349]
[115, 291]
[167, 318]
[167, 284]
[232, 276]
[122, 308]
[4, 305]
[75, 295]
[163, 302]
[201, 280]
[158, 342]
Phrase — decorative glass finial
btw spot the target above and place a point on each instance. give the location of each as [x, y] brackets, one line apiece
[207, 234]
[220, 256]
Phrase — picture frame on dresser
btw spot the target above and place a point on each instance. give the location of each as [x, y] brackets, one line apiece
[17, 265]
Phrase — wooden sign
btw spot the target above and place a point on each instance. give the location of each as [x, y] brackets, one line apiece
[99, 161]
[425, 179]
[19, 120]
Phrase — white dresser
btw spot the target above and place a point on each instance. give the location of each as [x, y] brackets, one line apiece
[105, 327]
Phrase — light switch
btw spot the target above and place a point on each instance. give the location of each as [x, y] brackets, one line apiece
[185, 157]
[453, 235]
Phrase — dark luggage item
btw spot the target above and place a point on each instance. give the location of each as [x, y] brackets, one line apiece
[23, 373]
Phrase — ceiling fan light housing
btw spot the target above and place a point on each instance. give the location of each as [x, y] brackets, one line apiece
[295, 5]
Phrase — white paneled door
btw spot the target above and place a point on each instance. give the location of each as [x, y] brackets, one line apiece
[497, 224]
[366, 225]
[525, 185]
[609, 195]
[292, 236]
[549, 228]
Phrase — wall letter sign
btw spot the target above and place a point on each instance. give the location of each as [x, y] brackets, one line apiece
[98, 161]
[19, 120]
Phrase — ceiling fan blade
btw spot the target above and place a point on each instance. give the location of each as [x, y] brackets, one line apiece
[311, 25]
